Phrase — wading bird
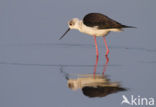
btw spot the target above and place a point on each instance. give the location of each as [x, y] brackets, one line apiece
[96, 24]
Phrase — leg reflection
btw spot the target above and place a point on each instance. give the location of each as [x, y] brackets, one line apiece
[95, 66]
[105, 65]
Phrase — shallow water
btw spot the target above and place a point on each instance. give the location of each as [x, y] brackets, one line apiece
[36, 67]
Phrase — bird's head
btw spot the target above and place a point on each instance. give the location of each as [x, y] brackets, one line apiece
[73, 24]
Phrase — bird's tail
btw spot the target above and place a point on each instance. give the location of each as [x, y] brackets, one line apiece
[125, 26]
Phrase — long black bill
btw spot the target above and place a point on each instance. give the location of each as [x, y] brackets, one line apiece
[64, 33]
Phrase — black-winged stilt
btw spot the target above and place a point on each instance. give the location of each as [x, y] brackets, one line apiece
[96, 24]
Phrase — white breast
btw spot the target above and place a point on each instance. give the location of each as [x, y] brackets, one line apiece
[94, 31]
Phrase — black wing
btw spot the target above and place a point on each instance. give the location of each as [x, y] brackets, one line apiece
[101, 21]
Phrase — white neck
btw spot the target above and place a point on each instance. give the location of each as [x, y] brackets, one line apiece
[80, 26]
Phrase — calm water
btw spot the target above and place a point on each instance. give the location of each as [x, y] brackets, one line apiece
[38, 70]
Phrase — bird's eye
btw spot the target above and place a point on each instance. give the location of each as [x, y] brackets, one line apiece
[71, 23]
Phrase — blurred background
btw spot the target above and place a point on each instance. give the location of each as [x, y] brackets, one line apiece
[31, 54]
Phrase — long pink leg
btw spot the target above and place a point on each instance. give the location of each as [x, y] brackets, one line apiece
[107, 50]
[97, 53]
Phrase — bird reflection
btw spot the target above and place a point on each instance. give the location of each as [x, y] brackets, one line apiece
[94, 85]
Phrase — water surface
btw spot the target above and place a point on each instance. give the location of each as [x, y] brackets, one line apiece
[35, 67]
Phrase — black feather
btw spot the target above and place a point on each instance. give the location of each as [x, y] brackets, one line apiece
[102, 21]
